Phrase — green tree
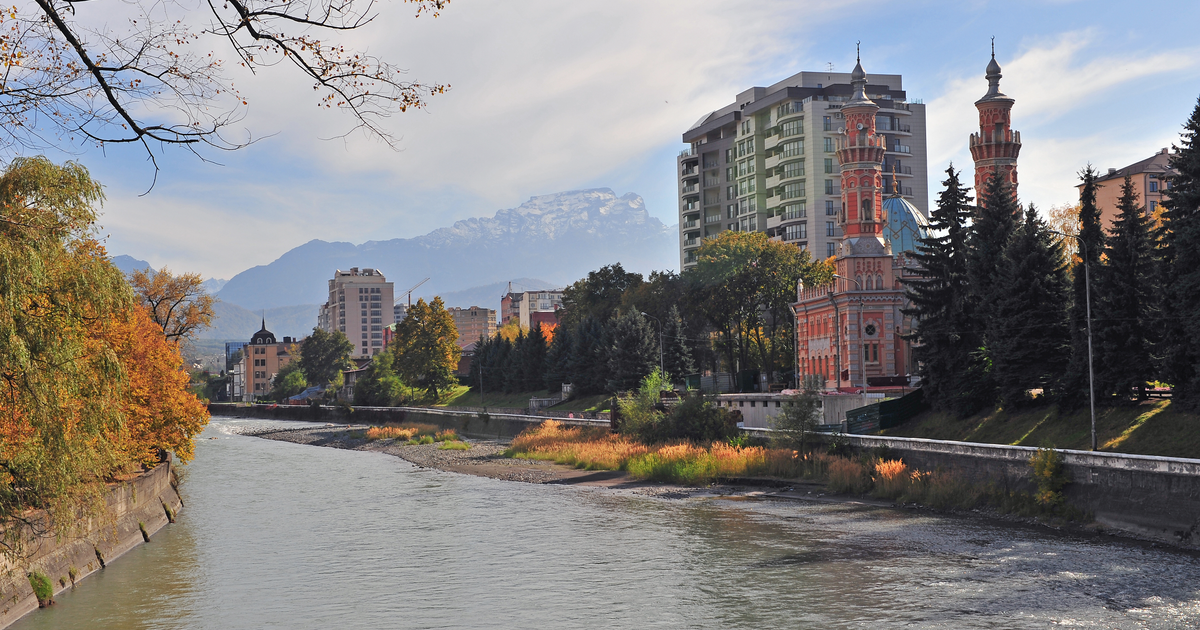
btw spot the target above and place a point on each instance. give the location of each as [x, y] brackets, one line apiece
[995, 221]
[426, 347]
[1126, 289]
[558, 359]
[324, 355]
[533, 360]
[288, 381]
[1180, 268]
[1028, 338]
[944, 336]
[799, 415]
[632, 351]
[598, 295]
[1074, 387]
[677, 357]
[589, 357]
[379, 386]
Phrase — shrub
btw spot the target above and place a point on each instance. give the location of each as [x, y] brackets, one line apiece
[43, 588]
[891, 479]
[798, 419]
[1049, 476]
[449, 435]
[384, 433]
[454, 446]
[848, 476]
[944, 489]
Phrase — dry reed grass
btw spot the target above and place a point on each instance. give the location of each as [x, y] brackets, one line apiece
[386, 433]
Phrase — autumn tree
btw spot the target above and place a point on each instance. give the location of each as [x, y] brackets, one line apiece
[89, 387]
[73, 71]
[426, 347]
[178, 304]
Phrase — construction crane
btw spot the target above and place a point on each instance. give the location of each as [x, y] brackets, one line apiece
[409, 292]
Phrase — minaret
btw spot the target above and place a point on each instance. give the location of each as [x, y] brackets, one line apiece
[996, 146]
[860, 155]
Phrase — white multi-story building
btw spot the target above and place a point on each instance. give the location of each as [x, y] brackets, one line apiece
[360, 306]
[768, 163]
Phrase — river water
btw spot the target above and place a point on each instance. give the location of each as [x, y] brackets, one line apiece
[279, 535]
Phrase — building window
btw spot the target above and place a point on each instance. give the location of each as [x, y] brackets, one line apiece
[827, 125]
[729, 174]
[728, 156]
[829, 145]
[794, 148]
[794, 169]
[791, 128]
[828, 165]
[830, 249]
[730, 192]
[829, 187]
[829, 228]
[1153, 206]
[830, 208]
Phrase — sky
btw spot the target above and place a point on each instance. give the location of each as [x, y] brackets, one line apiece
[555, 96]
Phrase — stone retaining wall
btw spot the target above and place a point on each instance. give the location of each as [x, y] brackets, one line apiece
[1154, 497]
[145, 500]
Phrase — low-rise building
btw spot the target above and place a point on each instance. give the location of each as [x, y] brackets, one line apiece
[531, 307]
[261, 360]
[1150, 178]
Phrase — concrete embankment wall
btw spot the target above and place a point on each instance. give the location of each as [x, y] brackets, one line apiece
[144, 500]
[1155, 497]
[476, 425]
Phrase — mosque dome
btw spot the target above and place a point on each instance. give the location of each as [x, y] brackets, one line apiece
[905, 224]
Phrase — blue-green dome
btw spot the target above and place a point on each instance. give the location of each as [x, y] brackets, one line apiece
[905, 224]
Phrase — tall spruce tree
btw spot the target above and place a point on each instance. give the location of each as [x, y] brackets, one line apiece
[589, 357]
[677, 359]
[1180, 268]
[1073, 389]
[944, 336]
[558, 359]
[1127, 302]
[533, 359]
[1027, 335]
[632, 351]
[995, 221]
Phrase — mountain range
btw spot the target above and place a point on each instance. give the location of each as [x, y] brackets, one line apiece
[557, 238]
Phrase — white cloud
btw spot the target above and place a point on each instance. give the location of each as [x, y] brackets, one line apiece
[1063, 110]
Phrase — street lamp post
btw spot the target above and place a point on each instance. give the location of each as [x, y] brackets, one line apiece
[660, 342]
[1087, 292]
[862, 368]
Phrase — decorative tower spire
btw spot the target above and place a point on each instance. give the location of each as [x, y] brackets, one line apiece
[996, 146]
[860, 154]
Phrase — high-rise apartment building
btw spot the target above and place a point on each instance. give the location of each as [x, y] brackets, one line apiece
[360, 305]
[768, 161]
[531, 307]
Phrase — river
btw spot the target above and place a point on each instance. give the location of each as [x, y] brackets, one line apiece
[279, 535]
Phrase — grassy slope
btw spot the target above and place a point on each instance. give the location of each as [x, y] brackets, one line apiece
[1151, 428]
[464, 397]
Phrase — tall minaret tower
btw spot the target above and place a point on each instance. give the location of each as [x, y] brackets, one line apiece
[860, 154]
[996, 146]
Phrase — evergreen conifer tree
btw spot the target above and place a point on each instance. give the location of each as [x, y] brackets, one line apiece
[558, 359]
[514, 377]
[1180, 269]
[1074, 386]
[944, 336]
[1127, 302]
[589, 357]
[1027, 335]
[995, 221]
[533, 359]
[632, 351]
[677, 359]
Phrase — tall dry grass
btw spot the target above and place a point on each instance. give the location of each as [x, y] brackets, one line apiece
[385, 433]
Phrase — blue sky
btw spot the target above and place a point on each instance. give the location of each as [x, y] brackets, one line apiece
[552, 96]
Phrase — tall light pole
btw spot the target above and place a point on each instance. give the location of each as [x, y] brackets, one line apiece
[1087, 292]
[862, 368]
[660, 342]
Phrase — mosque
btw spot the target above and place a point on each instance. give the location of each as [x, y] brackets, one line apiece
[851, 332]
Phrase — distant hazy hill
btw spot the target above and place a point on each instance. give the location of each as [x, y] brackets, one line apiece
[234, 323]
[558, 238]
[129, 264]
[489, 296]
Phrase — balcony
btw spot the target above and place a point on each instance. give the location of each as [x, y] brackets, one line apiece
[710, 164]
[687, 153]
[690, 188]
[690, 171]
[711, 182]
[712, 218]
[691, 242]
[691, 223]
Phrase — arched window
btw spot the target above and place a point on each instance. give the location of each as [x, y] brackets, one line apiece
[878, 282]
[860, 281]
[868, 209]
